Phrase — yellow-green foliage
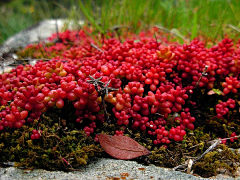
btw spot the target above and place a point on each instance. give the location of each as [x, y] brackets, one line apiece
[61, 143]
[223, 157]
[49, 151]
[37, 51]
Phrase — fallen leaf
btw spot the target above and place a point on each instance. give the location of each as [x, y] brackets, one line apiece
[121, 147]
[211, 92]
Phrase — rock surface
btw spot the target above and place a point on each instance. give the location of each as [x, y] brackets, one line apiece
[40, 31]
[34, 34]
[102, 169]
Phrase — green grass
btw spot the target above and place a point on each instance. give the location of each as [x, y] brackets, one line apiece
[190, 18]
[187, 18]
[16, 15]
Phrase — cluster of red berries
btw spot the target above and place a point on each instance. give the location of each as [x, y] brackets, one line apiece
[231, 85]
[122, 117]
[85, 115]
[153, 81]
[90, 128]
[118, 133]
[36, 134]
[164, 136]
[167, 99]
[222, 107]
[186, 120]
[233, 137]
[34, 115]
[123, 101]
[134, 88]
[12, 117]
[30, 99]
[154, 76]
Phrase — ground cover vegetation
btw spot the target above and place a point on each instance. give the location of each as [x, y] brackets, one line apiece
[172, 95]
[167, 96]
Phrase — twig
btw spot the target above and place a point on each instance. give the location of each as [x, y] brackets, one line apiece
[189, 167]
[43, 46]
[57, 30]
[66, 162]
[187, 163]
[214, 141]
[106, 89]
[208, 150]
[117, 28]
[42, 51]
[233, 27]
[155, 37]
[195, 145]
[54, 135]
[203, 74]
[94, 46]
[224, 139]
[2, 61]
[162, 28]
[96, 82]
[105, 109]
[103, 91]
[169, 31]
[199, 157]
[159, 114]
[33, 59]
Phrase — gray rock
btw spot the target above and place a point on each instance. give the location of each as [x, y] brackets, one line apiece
[101, 169]
[34, 34]
[40, 31]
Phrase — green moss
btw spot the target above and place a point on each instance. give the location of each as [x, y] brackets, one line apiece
[223, 158]
[1, 146]
[58, 144]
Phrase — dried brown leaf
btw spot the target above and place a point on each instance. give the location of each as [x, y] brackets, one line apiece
[121, 147]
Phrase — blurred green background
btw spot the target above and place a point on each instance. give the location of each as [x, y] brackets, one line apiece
[16, 15]
[187, 18]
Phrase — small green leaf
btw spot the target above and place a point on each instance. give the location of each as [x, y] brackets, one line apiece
[194, 25]
[177, 33]
[217, 91]
[136, 40]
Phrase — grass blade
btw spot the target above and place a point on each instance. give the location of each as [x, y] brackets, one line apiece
[194, 25]
[89, 17]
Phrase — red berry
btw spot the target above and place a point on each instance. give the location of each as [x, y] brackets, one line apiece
[165, 133]
[32, 136]
[18, 124]
[23, 114]
[190, 126]
[173, 131]
[40, 97]
[185, 122]
[34, 131]
[60, 103]
[10, 117]
[37, 136]
[176, 137]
